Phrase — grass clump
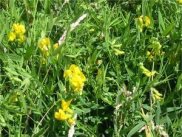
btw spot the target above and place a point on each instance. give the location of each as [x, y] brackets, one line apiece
[90, 68]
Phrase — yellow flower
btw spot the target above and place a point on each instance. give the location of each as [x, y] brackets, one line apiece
[65, 106]
[21, 38]
[140, 23]
[155, 46]
[149, 55]
[82, 76]
[74, 69]
[11, 36]
[76, 77]
[156, 95]
[180, 1]
[77, 83]
[77, 72]
[146, 21]
[154, 49]
[17, 33]
[61, 115]
[118, 52]
[71, 121]
[143, 21]
[44, 45]
[18, 29]
[146, 71]
[55, 46]
[67, 73]
[65, 113]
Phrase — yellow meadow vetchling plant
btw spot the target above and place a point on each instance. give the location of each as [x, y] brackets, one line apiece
[143, 21]
[65, 113]
[116, 48]
[156, 96]
[17, 33]
[76, 78]
[179, 1]
[46, 49]
[146, 72]
[150, 55]
[155, 46]
[44, 45]
[154, 49]
[55, 46]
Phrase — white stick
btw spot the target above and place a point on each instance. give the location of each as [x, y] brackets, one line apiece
[72, 27]
[72, 128]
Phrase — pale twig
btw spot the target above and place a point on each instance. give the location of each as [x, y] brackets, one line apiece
[72, 128]
[65, 2]
[72, 27]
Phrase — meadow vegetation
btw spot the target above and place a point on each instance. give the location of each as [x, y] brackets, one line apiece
[91, 68]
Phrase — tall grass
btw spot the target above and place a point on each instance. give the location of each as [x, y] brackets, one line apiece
[133, 69]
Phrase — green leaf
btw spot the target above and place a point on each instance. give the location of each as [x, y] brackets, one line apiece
[171, 109]
[168, 29]
[136, 128]
[161, 22]
[179, 83]
[2, 121]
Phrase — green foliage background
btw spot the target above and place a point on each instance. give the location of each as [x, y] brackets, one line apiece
[30, 92]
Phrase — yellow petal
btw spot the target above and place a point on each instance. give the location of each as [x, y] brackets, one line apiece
[146, 21]
[71, 121]
[69, 110]
[147, 72]
[77, 83]
[63, 115]
[74, 69]
[44, 44]
[180, 1]
[21, 38]
[156, 95]
[18, 29]
[11, 36]
[67, 73]
[65, 104]
[57, 115]
[118, 52]
[55, 46]
[156, 92]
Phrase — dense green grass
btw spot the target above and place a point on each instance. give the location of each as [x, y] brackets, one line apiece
[118, 98]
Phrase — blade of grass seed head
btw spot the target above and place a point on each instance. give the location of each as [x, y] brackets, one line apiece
[77, 23]
[72, 27]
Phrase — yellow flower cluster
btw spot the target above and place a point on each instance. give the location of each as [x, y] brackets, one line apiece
[154, 49]
[150, 55]
[17, 33]
[118, 52]
[55, 46]
[44, 45]
[65, 113]
[179, 1]
[143, 21]
[156, 95]
[76, 78]
[116, 48]
[146, 72]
